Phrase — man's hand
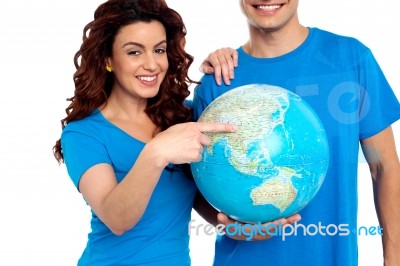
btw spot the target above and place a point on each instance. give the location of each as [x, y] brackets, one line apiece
[254, 232]
[221, 63]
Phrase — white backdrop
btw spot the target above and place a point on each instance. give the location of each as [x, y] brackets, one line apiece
[44, 220]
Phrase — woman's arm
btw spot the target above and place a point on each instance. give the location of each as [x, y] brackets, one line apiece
[121, 205]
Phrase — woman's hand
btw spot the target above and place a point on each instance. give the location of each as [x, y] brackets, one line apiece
[184, 143]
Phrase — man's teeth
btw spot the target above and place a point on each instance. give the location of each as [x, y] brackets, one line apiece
[148, 79]
[269, 8]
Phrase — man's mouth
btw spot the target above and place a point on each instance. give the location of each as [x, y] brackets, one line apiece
[268, 7]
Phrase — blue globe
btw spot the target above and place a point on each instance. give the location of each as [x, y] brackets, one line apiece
[273, 165]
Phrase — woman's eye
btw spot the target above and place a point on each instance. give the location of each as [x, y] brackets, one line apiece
[133, 53]
[160, 50]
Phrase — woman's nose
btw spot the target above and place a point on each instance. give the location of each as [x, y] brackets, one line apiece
[150, 62]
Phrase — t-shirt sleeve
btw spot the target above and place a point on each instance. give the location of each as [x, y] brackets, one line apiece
[379, 107]
[202, 92]
[188, 103]
[82, 151]
[197, 104]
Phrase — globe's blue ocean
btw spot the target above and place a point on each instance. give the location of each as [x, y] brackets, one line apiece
[274, 164]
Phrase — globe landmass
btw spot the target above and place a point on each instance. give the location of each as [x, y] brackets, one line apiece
[273, 165]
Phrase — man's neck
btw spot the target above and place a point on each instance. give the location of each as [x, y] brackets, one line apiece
[275, 43]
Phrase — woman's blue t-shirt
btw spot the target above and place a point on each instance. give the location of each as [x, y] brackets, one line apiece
[161, 236]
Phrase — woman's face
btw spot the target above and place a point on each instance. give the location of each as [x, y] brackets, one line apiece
[139, 59]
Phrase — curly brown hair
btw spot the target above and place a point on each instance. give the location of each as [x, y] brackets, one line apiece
[93, 83]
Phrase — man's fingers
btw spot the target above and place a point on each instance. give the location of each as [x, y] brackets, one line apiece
[294, 218]
[228, 59]
[215, 63]
[222, 218]
[225, 66]
[221, 63]
[235, 57]
[206, 68]
[232, 62]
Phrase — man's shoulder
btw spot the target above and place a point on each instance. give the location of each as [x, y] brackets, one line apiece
[206, 85]
[338, 45]
[328, 36]
[207, 80]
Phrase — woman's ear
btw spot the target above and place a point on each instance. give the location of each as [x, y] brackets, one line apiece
[108, 66]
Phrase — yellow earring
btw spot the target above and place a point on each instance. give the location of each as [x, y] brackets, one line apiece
[108, 68]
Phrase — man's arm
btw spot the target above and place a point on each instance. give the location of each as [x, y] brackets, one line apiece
[205, 210]
[214, 217]
[380, 152]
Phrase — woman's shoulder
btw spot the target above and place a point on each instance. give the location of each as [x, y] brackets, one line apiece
[91, 123]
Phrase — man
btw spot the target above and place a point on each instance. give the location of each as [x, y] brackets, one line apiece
[339, 77]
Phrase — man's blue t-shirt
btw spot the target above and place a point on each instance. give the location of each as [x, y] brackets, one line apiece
[161, 235]
[340, 79]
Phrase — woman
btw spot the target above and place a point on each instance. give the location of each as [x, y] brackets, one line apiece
[128, 135]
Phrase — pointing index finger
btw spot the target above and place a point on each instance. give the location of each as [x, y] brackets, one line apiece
[216, 127]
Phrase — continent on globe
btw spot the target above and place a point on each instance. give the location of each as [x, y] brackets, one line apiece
[273, 165]
[279, 191]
